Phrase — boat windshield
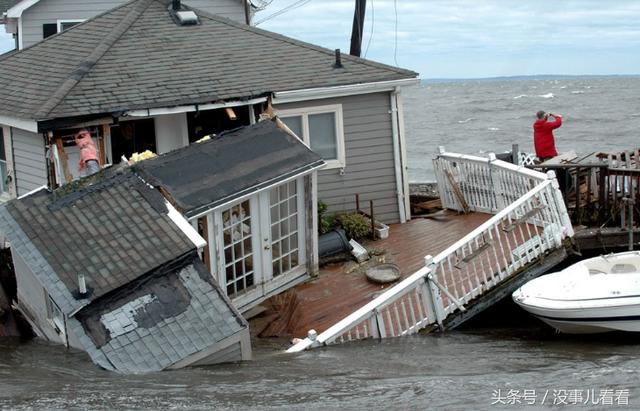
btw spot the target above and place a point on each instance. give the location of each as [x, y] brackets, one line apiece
[624, 269]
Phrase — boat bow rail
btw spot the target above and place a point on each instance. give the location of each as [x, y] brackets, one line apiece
[530, 220]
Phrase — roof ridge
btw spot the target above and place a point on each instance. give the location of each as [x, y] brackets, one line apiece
[300, 43]
[139, 6]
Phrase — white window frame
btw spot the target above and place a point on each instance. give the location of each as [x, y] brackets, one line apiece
[61, 22]
[55, 315]
[304, 113]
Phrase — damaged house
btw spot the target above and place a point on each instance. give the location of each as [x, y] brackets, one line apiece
[108, 266]
[140, 78]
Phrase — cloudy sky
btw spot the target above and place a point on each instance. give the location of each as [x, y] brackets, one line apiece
[471, 38]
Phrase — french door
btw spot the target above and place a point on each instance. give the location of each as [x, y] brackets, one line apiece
[259, 242]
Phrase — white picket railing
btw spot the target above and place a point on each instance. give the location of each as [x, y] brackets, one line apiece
[530, 219]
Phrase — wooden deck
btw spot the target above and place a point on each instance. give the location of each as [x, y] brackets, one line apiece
[336, 293]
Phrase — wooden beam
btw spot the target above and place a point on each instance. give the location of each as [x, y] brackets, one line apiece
[457, 192]
[64, 160]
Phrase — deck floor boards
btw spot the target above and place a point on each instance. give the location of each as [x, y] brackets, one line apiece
[335, 294]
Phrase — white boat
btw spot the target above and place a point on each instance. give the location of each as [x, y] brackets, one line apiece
[592, 296]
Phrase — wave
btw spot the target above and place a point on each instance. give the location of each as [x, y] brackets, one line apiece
[548, 95]
[493, 129]
[577, 92]
[520, 96]
[466, 121]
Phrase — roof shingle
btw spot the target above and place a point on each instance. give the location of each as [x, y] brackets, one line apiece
[103, 66]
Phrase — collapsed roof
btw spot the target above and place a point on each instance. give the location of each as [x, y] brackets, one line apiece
[204, 175]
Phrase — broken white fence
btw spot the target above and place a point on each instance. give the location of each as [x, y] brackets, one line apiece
[530, 219]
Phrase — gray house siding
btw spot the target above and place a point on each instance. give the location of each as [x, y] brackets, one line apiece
[31, 298]
[29, 160]
[369, 161]
[50, 11]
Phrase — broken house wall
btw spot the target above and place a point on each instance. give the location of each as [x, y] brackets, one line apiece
[29, 160]
[32, 301]
[50, 11]
[369, 161]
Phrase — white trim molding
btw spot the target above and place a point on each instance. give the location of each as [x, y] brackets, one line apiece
[186, 228]
[149, 112]
[17, 10]
[60, 22]
[22, 124]
[304, 112]
[291, 96]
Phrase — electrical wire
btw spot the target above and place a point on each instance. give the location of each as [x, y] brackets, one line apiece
[370, 34]
[292, 6]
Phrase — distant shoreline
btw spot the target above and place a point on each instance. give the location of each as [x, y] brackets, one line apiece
[531, 77]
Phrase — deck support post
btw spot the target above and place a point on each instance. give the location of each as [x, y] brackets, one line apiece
[382, 333]
[436, 300]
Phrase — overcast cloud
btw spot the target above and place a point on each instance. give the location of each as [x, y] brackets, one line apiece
[476, 38]
[472, 38]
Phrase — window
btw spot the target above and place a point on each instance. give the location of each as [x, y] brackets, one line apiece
[321, 129]
[67, 24]
[55, 315]
[3, 164]
[49, 29]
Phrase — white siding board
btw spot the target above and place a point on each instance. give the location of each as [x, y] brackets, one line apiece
[30, 164]
[369, 169]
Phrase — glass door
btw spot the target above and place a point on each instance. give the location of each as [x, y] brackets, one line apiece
[286, 222]
[238, 250]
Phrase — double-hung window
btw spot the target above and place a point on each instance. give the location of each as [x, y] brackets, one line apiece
[321, 129]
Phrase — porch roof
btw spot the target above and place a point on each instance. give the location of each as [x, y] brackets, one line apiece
[205, 175]
[136, 57]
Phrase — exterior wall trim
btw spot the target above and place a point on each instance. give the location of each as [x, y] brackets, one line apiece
[292, 96]
[23, 124]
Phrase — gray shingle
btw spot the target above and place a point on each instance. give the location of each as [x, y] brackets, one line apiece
[138, 69]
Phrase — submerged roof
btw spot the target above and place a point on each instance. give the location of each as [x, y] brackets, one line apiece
[205, 175]
[175, 313]
[135, 56]
[112, 231]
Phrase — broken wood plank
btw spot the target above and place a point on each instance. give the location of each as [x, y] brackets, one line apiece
[529, 214]
[462, 263]
[457, 192]
[64, 159]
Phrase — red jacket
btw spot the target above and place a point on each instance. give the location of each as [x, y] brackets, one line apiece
[543, 137]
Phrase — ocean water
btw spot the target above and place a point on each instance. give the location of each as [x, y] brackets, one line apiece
[481, 116]
[504, 360]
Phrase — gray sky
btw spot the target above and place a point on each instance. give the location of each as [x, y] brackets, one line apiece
[472, 38]
[477, 38]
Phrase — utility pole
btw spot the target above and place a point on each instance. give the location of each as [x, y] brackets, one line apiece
[358, 27]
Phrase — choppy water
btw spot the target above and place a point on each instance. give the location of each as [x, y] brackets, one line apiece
[460, 370]
[469, 369]
[481, 116]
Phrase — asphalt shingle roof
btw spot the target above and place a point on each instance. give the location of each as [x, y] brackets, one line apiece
[180, 312]
[6, 5]
[135, 56]
[203, 175]
[113, 231]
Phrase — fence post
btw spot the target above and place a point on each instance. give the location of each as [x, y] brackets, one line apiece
[436, 307]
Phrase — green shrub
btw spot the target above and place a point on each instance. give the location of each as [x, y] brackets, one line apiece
[355, 225]
[325, 223]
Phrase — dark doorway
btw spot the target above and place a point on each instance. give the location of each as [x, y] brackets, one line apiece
[130, 137]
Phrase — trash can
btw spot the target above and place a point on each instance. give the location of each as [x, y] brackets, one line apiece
[332, 243]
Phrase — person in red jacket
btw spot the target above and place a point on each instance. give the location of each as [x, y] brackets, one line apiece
[543, 135]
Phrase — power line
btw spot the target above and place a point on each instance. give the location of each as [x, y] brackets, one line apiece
[371, 34]
[288, 8]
